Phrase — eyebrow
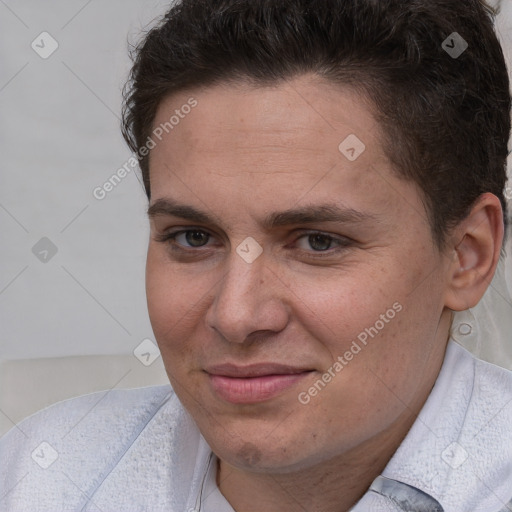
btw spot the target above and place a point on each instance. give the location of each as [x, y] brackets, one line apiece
[302, 215]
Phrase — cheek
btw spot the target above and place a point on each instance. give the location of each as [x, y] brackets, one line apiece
[340, 309]
[172, 300]
[386, 327]
[397, 355]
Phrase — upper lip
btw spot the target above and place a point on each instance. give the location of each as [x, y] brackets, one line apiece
[254, 370]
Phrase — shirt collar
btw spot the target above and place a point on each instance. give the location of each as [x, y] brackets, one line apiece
[452, 456]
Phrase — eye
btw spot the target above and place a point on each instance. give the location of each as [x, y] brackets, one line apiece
[321, 242]
[314, 243]
[196, 238]
[187, 238]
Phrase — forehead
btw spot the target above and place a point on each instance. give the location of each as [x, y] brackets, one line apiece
[288, 113]
[299, 140]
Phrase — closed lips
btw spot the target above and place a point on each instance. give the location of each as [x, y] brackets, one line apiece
[257, 370]
[253, 384]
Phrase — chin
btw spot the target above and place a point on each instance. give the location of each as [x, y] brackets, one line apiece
[262, 454]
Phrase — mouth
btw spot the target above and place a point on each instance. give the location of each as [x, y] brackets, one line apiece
[255, 383]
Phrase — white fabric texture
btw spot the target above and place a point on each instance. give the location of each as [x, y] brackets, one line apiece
[139, 450]
[486, 329]
[462, 437]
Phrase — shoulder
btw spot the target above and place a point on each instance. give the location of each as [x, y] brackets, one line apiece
[60, 455]
[489, 412]
[479, 453]
[459, 450]
[104, 409]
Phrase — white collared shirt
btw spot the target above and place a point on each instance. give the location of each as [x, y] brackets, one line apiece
[139, 450]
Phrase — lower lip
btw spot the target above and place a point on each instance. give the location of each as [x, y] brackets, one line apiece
[254, 389]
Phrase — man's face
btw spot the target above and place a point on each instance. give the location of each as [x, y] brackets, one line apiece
[301, 320]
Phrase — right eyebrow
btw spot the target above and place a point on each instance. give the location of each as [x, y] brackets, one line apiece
[175, 209]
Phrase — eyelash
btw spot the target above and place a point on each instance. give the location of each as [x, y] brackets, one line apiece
[170, 240]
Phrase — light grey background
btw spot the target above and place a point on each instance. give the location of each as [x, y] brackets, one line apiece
[59, 140]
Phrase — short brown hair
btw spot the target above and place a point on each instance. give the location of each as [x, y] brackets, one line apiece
[445, 118]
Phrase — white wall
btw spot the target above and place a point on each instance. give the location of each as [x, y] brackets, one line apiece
[59, 139]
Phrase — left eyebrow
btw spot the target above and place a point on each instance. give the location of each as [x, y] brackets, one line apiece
[303, 215]
[317, 213]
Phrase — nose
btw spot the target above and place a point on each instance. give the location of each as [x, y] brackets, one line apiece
[249, 298]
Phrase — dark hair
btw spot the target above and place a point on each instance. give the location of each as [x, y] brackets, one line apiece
[444, 117]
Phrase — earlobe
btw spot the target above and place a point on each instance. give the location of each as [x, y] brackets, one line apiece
[476, 251]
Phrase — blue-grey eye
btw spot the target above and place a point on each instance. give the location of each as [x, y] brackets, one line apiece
[193, 238]
[196, 238]
[319, 242]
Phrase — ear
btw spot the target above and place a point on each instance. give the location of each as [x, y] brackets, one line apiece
[476, 245]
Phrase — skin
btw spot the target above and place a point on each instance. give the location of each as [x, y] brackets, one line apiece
[245, 152]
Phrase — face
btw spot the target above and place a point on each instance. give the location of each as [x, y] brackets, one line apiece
[293, 285]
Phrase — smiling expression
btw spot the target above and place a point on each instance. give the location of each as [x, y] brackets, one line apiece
[270, 253]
